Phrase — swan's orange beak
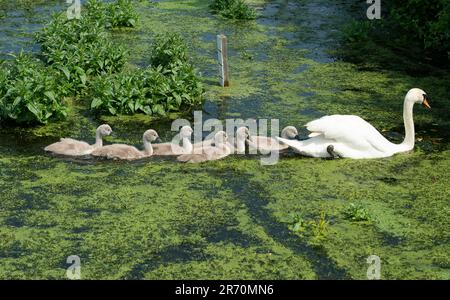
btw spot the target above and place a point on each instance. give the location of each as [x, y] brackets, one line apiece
[425, 103]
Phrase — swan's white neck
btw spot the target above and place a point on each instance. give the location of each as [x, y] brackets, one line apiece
[98, 140]
[148, 148]
[408, 142]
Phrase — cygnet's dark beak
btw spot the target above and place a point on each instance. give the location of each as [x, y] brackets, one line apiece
[158, 140]
[297, 137]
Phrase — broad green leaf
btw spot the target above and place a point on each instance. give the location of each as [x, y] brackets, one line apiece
[97, 102]
[50, 95]
[65, 70]
[34, 109]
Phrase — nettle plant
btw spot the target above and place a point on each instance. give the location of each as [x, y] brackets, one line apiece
[169, 84]
[30, 92]
[233, 9]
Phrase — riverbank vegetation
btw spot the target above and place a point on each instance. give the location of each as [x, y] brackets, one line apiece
[233, 9]
[412, 36]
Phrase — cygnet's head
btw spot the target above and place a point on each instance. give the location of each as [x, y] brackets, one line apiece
[289, 132]
[220, 138]
[104, 130]
[186, 132]
[418, 96]
[242, 133]
[151, 135]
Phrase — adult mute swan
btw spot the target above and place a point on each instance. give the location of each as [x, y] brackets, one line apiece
[175, 149]
[352, 137]
[125, 152]
[220, 150]
[71, 147]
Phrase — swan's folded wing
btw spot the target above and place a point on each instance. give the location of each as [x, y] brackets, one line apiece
[118, 151]
[208, 154]
[349, 129]
[68, 146]
[162, 149]
[296, 145]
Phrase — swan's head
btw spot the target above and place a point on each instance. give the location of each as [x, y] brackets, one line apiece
[220, 138]
[151, 136]
[104, 130]
[289, 132]
[186, 132]
[242, 133]
[416, 95]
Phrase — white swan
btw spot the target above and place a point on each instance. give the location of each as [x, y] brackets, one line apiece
[175, 149]
[352, 137]
[71, 147]
[126, 152]
[220, 150]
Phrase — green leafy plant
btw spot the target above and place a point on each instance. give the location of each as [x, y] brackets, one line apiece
[29, 92]
[79, 49]
[168, 49]
[316, 229]
[233, 9]
[357, 213]
[169, 84]
[299, 226]
[82, 48]
[120, 13]
[153, 91]
[319, 228]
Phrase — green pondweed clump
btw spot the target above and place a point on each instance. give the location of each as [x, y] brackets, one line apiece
[233, 9]
[79, 49]
[320, 228]
[298, 225]
[315, 229]
[167, 50]
[169, 84]
[30, 92]
[357, 213]
[82, 48]
[120, 13]
[153, 91]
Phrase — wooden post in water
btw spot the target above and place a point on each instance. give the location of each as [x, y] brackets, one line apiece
[223, 59]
